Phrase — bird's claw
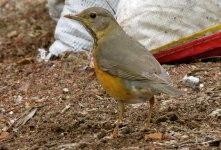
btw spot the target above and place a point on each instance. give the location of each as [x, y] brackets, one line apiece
[116, 133]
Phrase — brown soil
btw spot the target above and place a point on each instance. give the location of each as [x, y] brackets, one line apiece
[83, 116]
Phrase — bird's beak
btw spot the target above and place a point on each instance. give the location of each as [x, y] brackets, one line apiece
[73, 17]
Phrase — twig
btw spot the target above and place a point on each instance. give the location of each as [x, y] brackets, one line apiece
[207, 143]
[66, 108]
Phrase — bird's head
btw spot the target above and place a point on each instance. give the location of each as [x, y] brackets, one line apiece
[96, 20]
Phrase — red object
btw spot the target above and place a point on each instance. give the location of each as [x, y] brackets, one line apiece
[208, 46]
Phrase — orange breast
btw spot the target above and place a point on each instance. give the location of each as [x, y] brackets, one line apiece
[113, 85]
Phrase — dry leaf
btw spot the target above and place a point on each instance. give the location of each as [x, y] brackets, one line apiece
[25, 61]
[92, 73]
[24, 119]
[91, 64]
[25, 87]
[157, 136]
[2, 3]
[27, 105]
[4, 135]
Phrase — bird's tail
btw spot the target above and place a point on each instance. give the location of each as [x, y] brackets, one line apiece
[166, 88]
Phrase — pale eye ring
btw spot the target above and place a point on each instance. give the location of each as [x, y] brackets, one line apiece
[93, 15]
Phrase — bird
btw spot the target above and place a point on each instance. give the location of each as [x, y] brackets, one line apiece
[124, 67]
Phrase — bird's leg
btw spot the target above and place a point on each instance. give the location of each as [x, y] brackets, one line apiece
[120, 118]
[156, 110]
[151, 102]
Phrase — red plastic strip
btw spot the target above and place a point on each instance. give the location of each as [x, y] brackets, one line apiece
[204, 47]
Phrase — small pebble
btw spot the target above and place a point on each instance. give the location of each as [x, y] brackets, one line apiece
[201, 85]
[2, 110]
[125, 130]
[83, 145]
[184, 137]
[18, 100]
[101, 134]
[12, 34]
[65, 90]
[11, 112]
[162, 119]
[173, 117]
[215, 113]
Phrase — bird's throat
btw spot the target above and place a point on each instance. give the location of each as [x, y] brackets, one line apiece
[107, 31]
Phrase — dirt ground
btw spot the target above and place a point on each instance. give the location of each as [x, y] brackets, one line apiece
[57, 105]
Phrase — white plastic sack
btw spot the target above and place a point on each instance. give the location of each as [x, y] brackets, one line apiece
[55, 8]
[70, 35]
[155, 23]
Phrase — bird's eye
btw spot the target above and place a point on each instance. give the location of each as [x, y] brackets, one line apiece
[93, 15]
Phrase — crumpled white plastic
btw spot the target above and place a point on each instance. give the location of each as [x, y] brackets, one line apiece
[155, 23]
[70, 35]
[190, 81]
[41, 55]
[55, 8]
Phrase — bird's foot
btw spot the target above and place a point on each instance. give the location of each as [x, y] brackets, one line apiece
[147, 128]
[116, 133]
